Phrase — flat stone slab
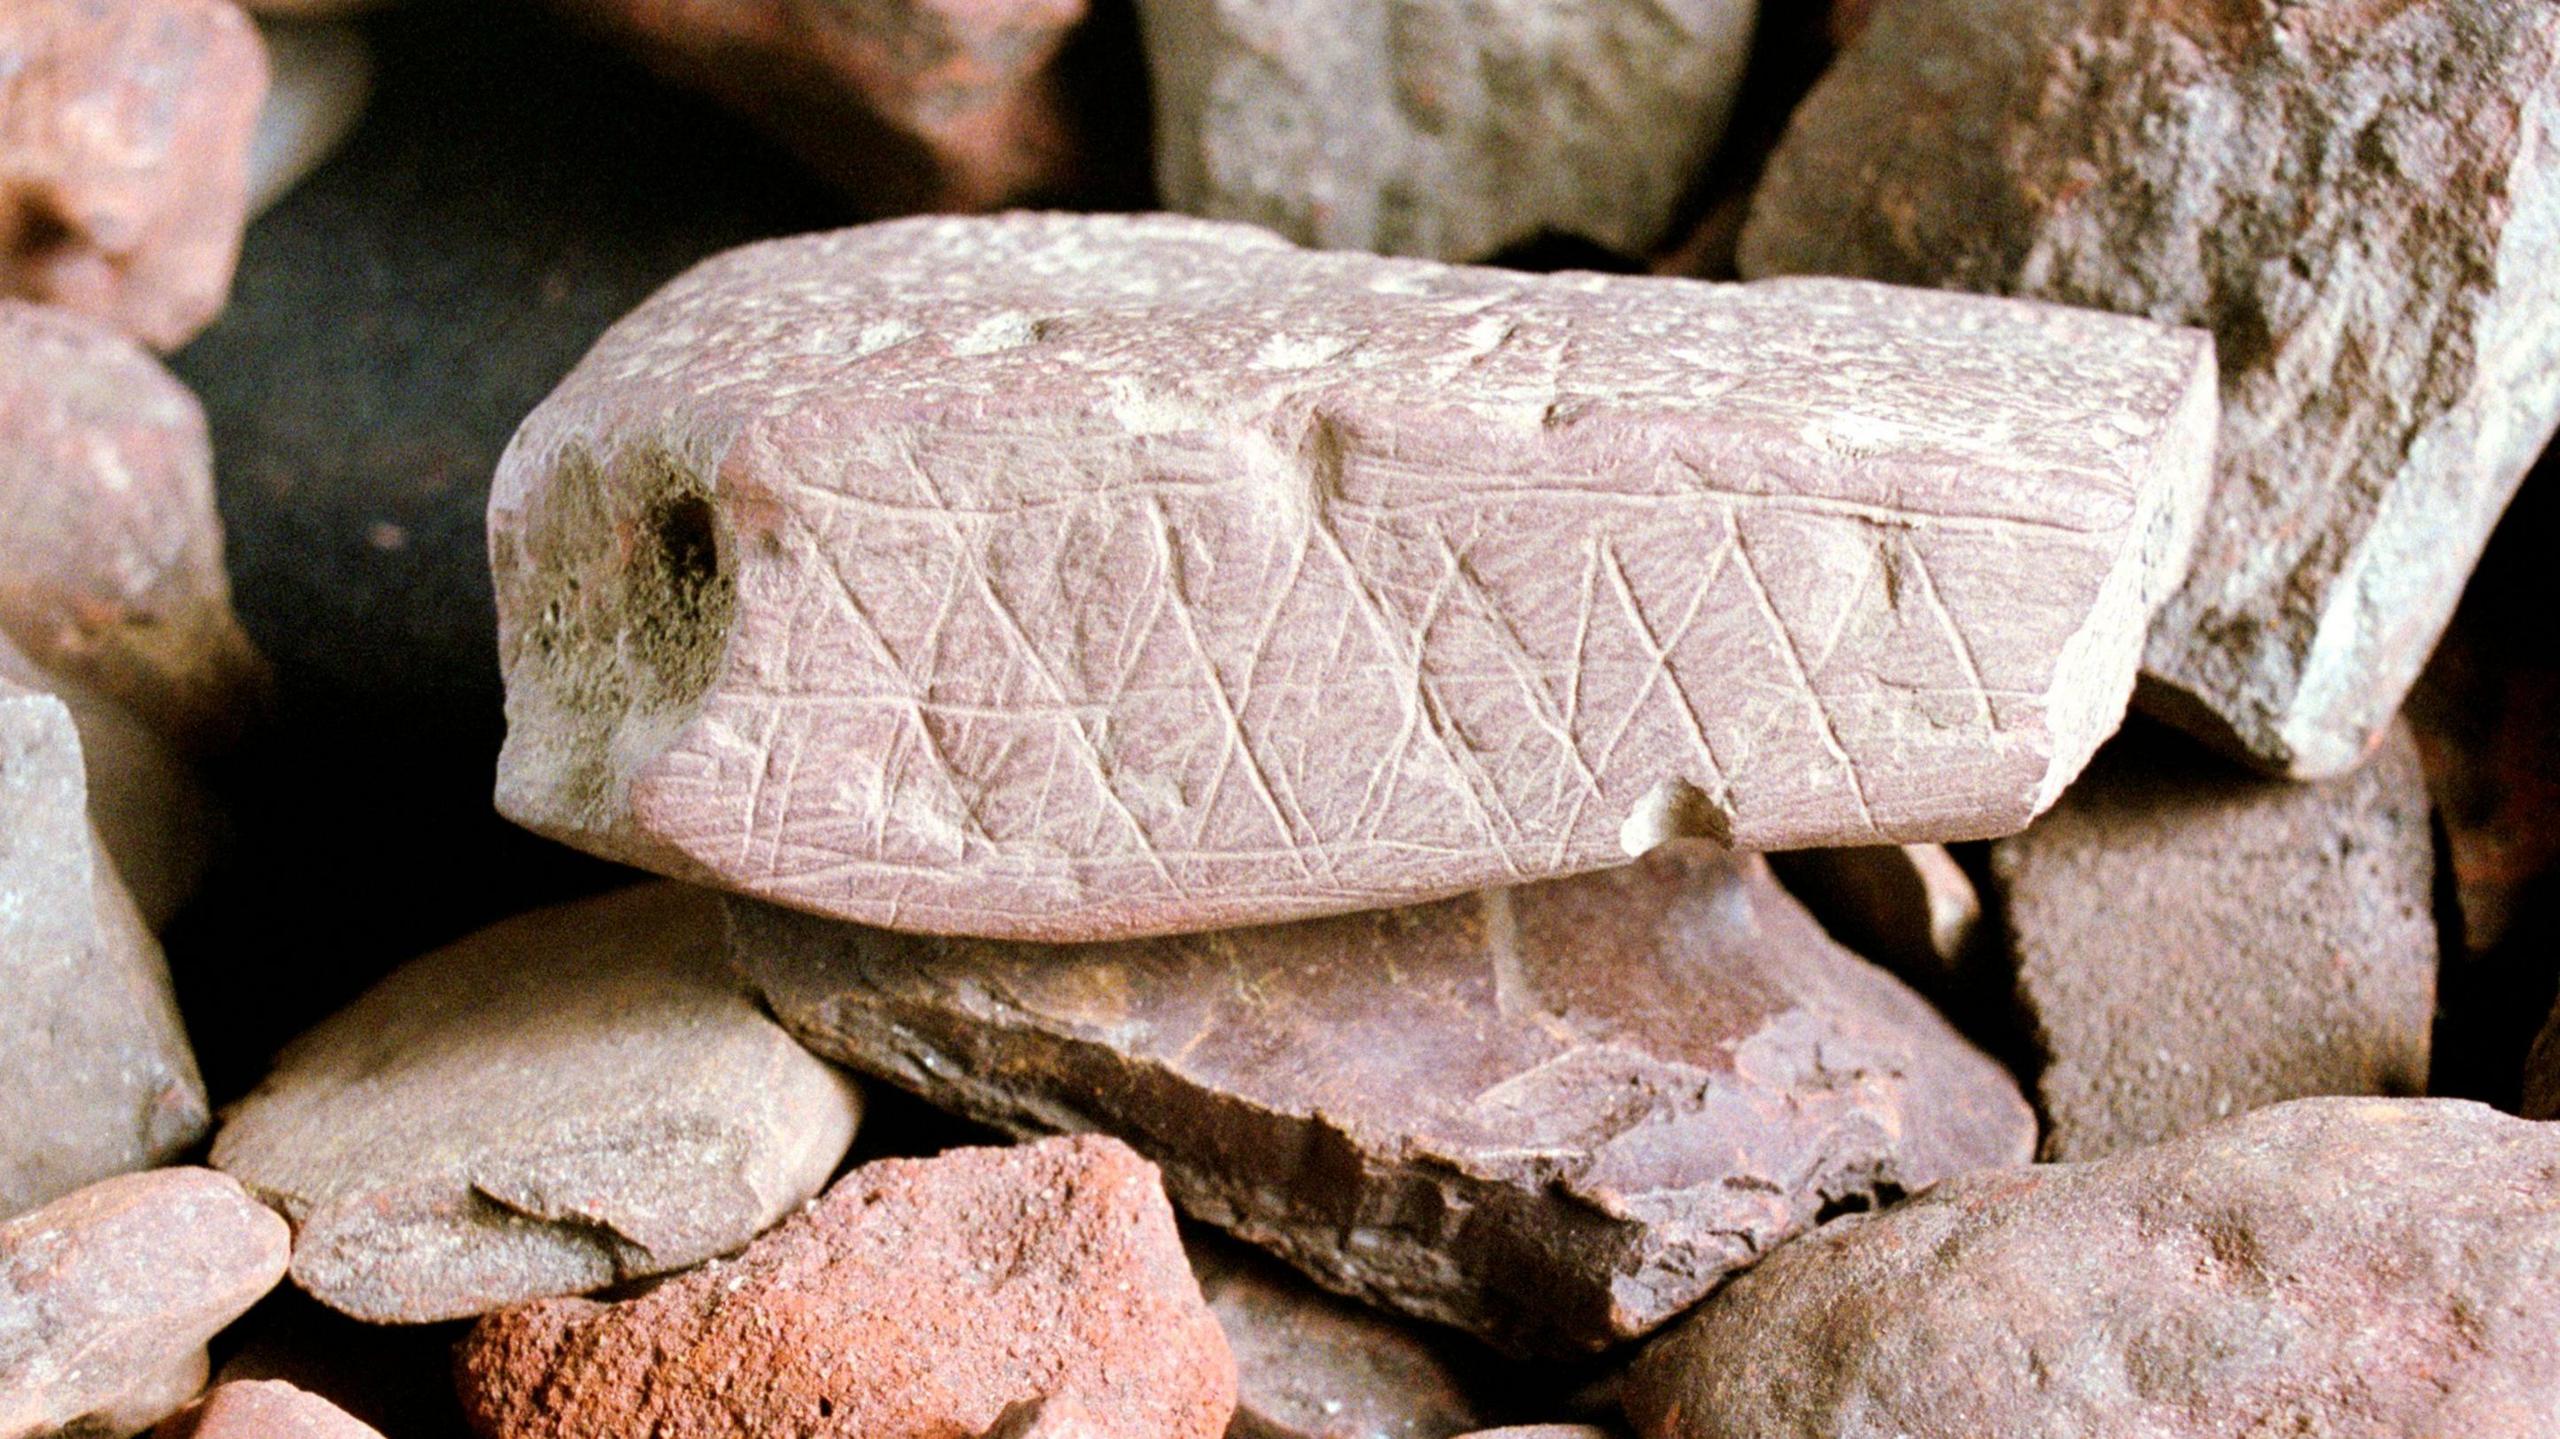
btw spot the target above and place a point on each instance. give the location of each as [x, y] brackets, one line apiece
[2327, 1266]
[1554, 1115]
[263, 1409]
[1441, 129]
[919, 1299]
[1073, 578]
[108, 1295]
[111, 565]
[2359, 206]
[93, 1060]
[574, 1097]
[124, 157]
[2190, 942]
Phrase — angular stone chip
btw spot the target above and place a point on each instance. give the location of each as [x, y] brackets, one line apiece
[1073, 578]
[1554, 1115]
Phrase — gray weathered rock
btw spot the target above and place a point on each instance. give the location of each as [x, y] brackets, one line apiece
[108, 1294]
[1553, 1115]
[570, 1098]
[1075, 577]
[2358, 200]
[2191, 942]
[94, 1065]
[2332, 1267]
[1437, 128]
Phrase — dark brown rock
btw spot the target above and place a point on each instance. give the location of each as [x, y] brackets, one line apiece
[994, 576]
[111, 570]
[94, 1064]
[2330, 1267]
[2542, 1072]
[2357, 199]
[124, 157]
[1908, 907]
[575, 1097]
[108, 1295]
[1553, 1115]
[1311, 1365]
[263, 1409]
[2193, 942]
[917, 1300]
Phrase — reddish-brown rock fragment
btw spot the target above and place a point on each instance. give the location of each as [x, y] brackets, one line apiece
[1052, 1418]
[1553, 1115]
[1542, 1431]
[94, 1064]
[124, 157]
[908, 104]
[111, 570]
[2192, 942]
[1312, 1365]
[263, 1409]
[578, 1096]
[108, 1295]
[917, 1300]
[1908, 907]
[2359, 200]
[1080, 577]
[2332, 1267]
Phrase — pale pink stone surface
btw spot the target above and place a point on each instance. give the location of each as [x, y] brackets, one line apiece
[1074, 577]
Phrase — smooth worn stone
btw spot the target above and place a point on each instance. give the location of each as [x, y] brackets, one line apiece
[2191, 942]
[1427, 127]
[124, 157]
[111, 564]
[575, 1097]
[322, 76]
[263, 1409]
[108, 1294]
[1311, 1365]
[94, 1063]
[917, 1300]
[998, 576]
[2356, 201]
[1542, 1431]
[396, 1377]
[1553, 1115]
[908, 105]
[1908, 907]
[2329, 1267]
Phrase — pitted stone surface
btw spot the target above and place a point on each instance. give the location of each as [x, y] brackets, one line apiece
[124, 157]
[1439, 128]
[2326, 1267]
[111, 569]
[2358, 199]
[107, 1297]
[908, 104]
[94, 1065]
[1553, 1115]
[920, 1299]
[2191, 941]
[1081, 577]
[577, 1096]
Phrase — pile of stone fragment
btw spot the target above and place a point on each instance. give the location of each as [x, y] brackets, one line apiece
[1204, 744]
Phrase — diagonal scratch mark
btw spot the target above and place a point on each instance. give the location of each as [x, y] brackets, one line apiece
[1661, 669]
[1518, 660]
[919, 721]
[1955, 634]
[1795, 660]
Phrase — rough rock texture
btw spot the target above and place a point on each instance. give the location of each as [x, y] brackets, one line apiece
[998, 576]
[263, 1409]
[2359, 200]
[124, 157]
[1052, 1418]
[1908, 907]
[917, 1300]
[1554, 1115]
[2191, 942]
[1310, 1365]
[108, 1295]
[111, 567]
[578, 1096]
[2330, 1267]
[1437, 128]
[909, 104]
[94, 1065]
[322, 77]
